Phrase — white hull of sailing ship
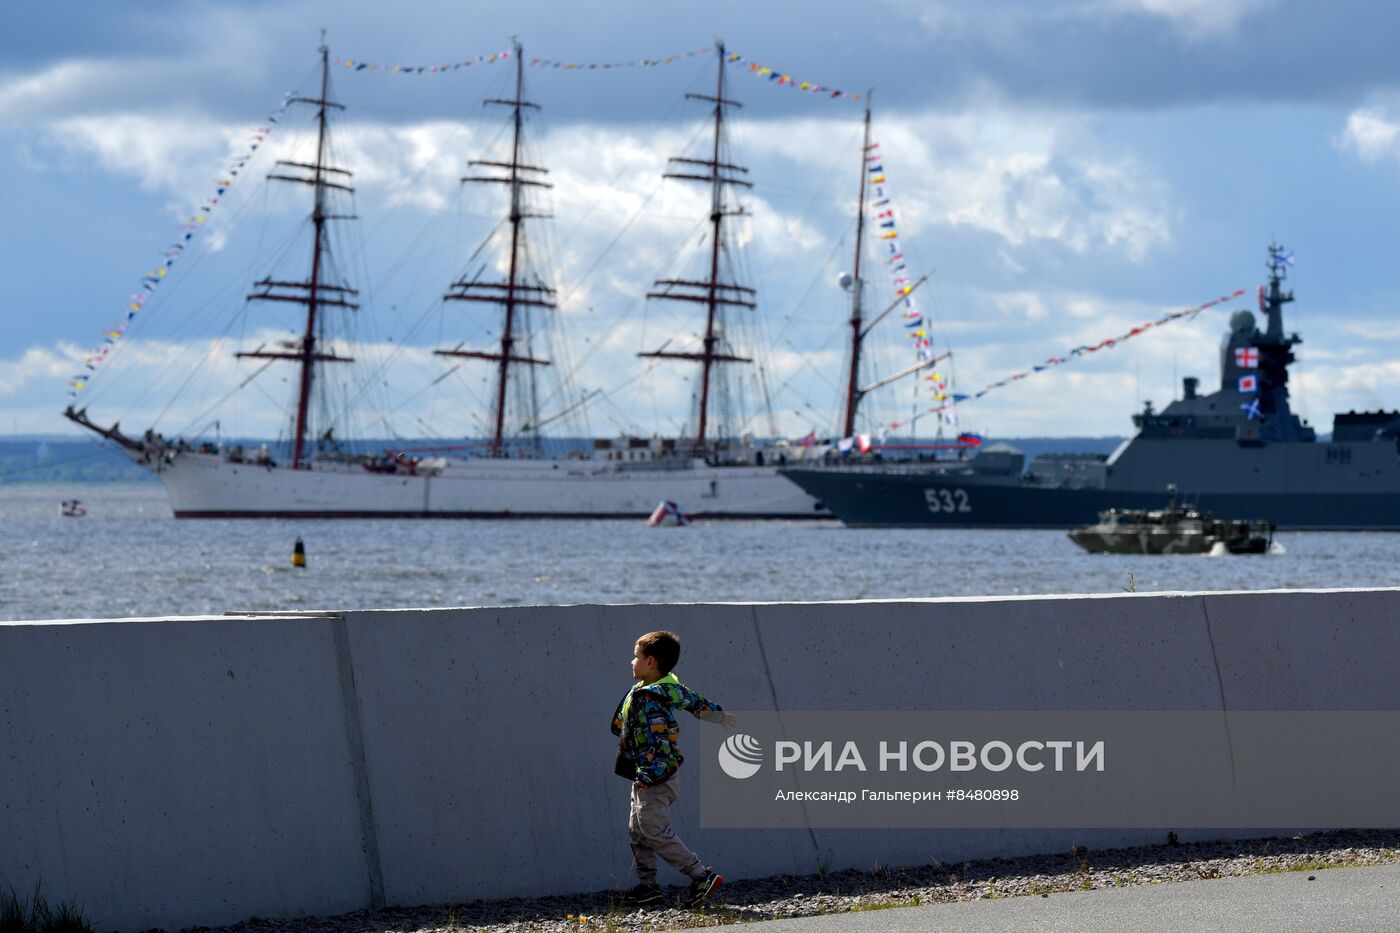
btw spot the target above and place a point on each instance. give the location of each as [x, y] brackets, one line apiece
[203, 485]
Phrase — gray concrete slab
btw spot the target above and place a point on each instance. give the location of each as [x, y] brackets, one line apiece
[1353, 899]
[240, 766]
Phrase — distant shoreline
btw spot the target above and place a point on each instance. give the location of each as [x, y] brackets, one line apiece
[37, 461]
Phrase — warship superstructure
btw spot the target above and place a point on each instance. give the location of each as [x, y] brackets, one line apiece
[1240, 450]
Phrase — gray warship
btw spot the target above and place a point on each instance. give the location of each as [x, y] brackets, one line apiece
[1237, 451]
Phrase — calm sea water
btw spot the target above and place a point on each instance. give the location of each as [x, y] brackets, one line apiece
[130, 557]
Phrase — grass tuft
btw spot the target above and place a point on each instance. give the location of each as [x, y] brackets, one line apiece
[36, 916]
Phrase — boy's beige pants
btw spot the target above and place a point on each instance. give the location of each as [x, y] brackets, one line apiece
[650, 832]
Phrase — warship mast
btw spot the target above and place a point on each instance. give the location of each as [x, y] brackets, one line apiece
[1271, 347]
[514, 295]
[711, 292]
[313, 293]
[1277, 297]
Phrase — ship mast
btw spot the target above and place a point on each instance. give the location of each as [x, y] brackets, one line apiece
[853, 392]
[1277, 297]
[710, 292]
[313, 293]
[512, 294]
[1275, 347]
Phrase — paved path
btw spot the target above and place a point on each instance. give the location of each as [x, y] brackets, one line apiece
[1352, 899]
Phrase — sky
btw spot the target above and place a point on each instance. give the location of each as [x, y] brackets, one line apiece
[1060, 171]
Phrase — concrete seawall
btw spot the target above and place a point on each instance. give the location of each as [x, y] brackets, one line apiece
[202, 770]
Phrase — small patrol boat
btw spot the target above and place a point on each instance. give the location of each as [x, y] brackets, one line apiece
[1176, 529]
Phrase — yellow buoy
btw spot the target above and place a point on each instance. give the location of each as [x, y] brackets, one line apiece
[298, 554]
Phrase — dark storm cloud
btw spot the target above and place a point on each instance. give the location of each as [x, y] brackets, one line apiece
[226, 58]
[1105, 56]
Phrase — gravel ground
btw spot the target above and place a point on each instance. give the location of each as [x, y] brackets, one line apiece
[838, 892]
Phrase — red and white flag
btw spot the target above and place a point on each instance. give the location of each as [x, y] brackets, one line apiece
[1247, 357]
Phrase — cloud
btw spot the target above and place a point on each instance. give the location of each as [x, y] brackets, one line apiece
[95, 59]
[1327, 389]
[179, 156]
[418, 165]
[1370, 135]
[1010, 20]
[943, 21]
[1079, 203]
[1070, 398]
[1366, 381]
[1027, 304]
[647, 396]
[1371, 330]
[1085, 307]
[601, 178]
[182, 386]
[1043, 190]
[1021, 175]
[49, 364]
[1107, 53]
[1197, 19]
[30, 96]
[90, 87]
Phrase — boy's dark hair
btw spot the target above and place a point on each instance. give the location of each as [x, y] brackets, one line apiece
[664, 647]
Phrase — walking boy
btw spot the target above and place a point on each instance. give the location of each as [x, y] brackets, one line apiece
[647, 755]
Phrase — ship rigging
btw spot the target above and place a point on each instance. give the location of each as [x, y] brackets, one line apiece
[713, 468]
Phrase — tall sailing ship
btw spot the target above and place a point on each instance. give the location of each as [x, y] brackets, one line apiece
[710, 473]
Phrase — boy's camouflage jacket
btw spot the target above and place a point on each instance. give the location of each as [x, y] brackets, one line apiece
[647, 724]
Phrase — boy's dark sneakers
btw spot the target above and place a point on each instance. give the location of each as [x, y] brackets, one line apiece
[645, 895]
[702, 888]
